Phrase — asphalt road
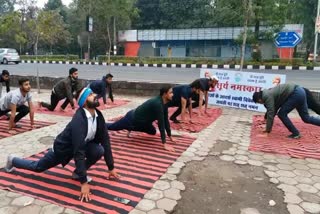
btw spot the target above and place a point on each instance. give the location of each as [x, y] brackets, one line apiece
[309, 79]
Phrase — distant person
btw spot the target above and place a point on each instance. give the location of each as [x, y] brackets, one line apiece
[182, 98]
[281, 100]
[204, 84]
[5, 78]
[15, 101]
[141, 119]
[64, 89]
[103, 88]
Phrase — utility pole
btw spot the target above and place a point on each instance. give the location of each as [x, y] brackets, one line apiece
[316, 31]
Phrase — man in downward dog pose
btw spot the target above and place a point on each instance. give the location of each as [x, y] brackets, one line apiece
[64, 89]
[103, 88]
[85, 139]
[182, 99]
[141, 118]
[204, 84]
[281, 100]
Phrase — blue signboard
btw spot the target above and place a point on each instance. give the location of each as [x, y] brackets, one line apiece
[287, 39]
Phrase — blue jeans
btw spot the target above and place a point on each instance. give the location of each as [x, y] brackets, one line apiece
[297, 100]
[128, 123]
[93, 153]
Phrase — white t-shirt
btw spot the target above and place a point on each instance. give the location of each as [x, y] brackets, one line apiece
[14, 97]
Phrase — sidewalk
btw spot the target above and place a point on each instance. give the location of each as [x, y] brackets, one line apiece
[226, 141]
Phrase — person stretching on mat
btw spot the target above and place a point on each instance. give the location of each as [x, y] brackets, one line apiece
[141, 118]
[204, 84]
[103, 87]
[63, 89]
[281, 100]
[14, 102]
[182, 99]
[85, 139]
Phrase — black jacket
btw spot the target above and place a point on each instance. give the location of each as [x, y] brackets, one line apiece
[65, 88]
[71, 142]
[101, 87]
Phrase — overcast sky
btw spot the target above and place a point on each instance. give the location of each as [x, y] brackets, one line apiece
[41, 3]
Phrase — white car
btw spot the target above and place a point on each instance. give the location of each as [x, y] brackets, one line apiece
[9, 55]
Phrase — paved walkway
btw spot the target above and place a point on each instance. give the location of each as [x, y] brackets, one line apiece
[299, 179]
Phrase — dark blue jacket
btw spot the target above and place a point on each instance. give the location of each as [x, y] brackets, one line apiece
[100, 87]
[71, 142]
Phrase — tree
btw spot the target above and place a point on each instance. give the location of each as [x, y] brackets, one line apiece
[52, 28]
[305, 12]
[10, 30]
[6, 6]
[122, 11]
[149, 14]
[185, 13]
[58, 6]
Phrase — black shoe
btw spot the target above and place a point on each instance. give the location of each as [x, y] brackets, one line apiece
[293, 136]
[175, 120]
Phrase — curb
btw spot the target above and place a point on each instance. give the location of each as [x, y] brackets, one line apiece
[248, 67]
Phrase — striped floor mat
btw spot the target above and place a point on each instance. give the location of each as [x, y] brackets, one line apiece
[308, 146]
[141, 160]
[198, 123]
[69, 113]
[25, 127]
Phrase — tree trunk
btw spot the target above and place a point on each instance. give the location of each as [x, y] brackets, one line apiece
[109, 48]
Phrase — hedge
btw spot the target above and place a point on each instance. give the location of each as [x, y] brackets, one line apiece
[162, 60]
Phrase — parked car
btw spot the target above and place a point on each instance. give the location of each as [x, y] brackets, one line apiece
[9, 55]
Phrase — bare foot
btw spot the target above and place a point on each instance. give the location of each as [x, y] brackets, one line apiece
[129, 134]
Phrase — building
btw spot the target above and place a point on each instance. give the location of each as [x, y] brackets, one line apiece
[216, 43]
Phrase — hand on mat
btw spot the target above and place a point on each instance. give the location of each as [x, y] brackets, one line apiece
[85, 193]
[34, 127]
[114, 174]
[12, 131]
[168, 148]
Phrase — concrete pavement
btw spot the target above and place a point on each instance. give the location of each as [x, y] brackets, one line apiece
[309, 79]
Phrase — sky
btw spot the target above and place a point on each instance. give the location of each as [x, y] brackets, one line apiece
[41, 3]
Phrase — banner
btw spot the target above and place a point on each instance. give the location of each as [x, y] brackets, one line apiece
[235, 88]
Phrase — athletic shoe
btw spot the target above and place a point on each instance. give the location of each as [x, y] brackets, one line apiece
[9, 166]
[76, 177]
[292, 136]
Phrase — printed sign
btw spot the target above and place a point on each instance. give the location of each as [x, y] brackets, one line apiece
[235, 88]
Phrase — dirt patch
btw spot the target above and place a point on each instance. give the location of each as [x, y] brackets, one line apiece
[216, 186]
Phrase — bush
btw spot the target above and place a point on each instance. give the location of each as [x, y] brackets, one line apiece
[51, 57]
[187, 60]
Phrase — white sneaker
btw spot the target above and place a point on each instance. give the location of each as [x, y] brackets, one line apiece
[9, 167]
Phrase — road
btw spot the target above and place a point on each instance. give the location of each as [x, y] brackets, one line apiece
[309, 79]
